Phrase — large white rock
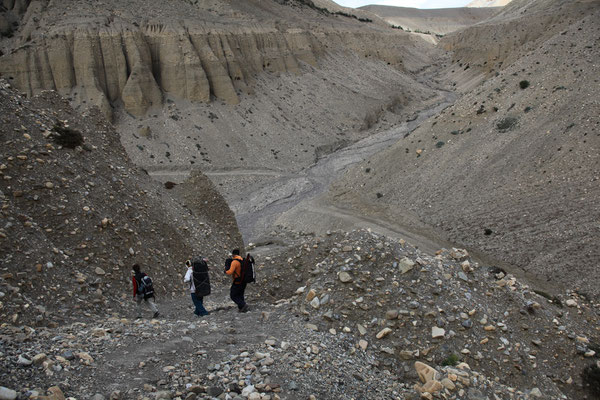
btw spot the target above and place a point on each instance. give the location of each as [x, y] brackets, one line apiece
[7, 394]
[437, 332]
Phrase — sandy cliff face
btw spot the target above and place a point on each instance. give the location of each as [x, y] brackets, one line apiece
[117, 58]
[136, 65]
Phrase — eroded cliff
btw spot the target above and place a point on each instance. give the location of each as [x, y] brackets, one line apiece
[121, 58]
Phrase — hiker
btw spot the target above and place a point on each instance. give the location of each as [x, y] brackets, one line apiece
[197, 276]
[143, 290]
[237, 286]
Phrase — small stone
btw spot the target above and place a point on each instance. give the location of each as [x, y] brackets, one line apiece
[311, 295]
[437, 332]
[432, 386]
[383, 333]
[391, 314]
[315, 303]
[571, 303]
[448, 384]
[405, 265]
[345, 277]
[361, 329]
[363, 344]
[425, 372]
[535, 392]
[214, 391]
[49, 185]
[312, 327]
[250, 389]
[55, 393]
[163, 395]
[39, 358]
[99, 271]
[24, 361]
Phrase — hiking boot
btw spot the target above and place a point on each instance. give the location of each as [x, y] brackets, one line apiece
[244, 309]
[156, 314]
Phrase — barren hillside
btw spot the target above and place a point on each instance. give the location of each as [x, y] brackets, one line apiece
[311, 121]
[77, 214]
[512, 168]
[436, 21]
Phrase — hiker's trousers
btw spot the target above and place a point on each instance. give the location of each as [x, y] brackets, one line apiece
[237, 294]
[150, 301]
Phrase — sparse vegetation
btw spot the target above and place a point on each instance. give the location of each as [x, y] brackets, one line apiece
[66, 137]
[524, 84]
[451, 360]
[506, 124]
[591, 379]
[440, 144]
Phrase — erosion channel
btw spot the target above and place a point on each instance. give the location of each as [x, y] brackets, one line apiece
[264, 199]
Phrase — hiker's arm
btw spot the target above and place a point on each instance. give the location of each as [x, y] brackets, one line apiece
[233, 268]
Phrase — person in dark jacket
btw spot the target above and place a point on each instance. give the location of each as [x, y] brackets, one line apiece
[198, 279]
[140, 295]
[237, 286]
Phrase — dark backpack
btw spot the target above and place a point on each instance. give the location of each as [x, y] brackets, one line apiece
[145, 286]
[201, 277]
[248, 271]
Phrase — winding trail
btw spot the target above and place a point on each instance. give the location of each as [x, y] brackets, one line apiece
[259, 209]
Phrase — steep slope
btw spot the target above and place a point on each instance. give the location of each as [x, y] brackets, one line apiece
[518, 29]
[438, 21]
[77, 214]
[512, 168]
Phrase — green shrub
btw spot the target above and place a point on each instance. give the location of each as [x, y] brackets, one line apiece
[506, 124]
[66, 137]
[591, 379]
[451, 360]
[524, 84]
[440, 144]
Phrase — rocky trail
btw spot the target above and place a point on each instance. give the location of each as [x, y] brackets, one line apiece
[364, 318]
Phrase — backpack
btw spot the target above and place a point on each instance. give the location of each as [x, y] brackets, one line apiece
[248, 271]
[145, 286]
[200, 277]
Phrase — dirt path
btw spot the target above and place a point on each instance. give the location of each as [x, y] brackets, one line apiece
[151, 348]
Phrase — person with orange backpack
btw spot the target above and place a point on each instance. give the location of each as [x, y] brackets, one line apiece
[241, 272]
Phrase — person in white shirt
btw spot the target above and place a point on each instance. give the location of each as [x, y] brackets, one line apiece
[199, 283]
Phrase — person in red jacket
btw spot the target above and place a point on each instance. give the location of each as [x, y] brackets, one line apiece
[237, 286]
[140, 295]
